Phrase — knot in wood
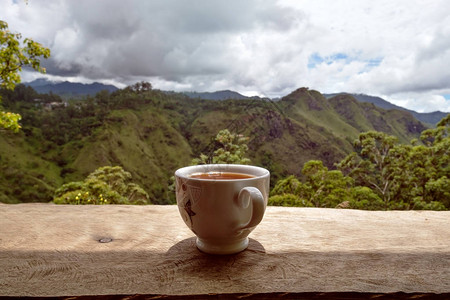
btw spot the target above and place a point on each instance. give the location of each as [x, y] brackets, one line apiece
[105, 240]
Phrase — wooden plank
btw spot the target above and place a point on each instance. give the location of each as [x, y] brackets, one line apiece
[261, 296]
[58, 250]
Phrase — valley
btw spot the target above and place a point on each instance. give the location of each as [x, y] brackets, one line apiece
[151, 133]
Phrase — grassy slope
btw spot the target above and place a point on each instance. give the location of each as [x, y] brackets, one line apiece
[310, 105]
[143, 143]
[280, 142]
[21, 166]
[366, 116]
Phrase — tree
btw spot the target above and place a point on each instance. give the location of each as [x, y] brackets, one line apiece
[321, 188]
[372, 164]
[230, 148]
[414, 176]
[140, 87]
[325, 188]
[288, 192]
[13, 56]
[106, 185]
[436, 161]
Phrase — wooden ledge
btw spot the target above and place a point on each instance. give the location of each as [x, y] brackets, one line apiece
[59, 250]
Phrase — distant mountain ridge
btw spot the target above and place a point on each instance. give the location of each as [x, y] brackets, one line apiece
[69, 89]
[220, 95]
[431, 118]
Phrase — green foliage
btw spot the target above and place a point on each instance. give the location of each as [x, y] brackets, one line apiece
[230, 148]
[10, 121]
[289, 185]
[106, 185]
[13, 56]
[363, 197]
[81, 135]
[379, 174]
[152, 133]
[403, 176]
[289, 200]
[140, 87]
[324, 188]
[321, 188]
[373, 163]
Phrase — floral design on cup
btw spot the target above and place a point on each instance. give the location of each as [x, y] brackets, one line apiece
[189, 196]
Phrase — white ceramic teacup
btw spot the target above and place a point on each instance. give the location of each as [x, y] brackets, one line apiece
[222, 212]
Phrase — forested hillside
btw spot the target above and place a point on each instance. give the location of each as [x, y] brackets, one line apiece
[431, 118]
[151, 133]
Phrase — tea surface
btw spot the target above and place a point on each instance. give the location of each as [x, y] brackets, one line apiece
[221, 175]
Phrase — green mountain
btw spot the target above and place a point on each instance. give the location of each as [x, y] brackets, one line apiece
[69, 89]
[152, 133]
[431, 118]
[219, 95]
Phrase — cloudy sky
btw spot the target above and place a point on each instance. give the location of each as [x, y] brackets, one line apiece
[399, 50]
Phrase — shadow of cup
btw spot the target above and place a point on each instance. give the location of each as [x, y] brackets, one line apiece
[187, 247]
[186, 261]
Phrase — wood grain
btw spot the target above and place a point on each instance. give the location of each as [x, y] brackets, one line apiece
[57, 250]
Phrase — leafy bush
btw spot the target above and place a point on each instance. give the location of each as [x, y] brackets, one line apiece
[289, 200]
[106, 185]
[230, 148]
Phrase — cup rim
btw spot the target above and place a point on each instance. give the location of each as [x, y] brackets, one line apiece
[259, 172]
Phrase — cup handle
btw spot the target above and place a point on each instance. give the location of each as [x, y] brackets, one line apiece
[254, 195]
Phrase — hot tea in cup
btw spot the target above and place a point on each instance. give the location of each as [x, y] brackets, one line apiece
[220, 175]
[222, 204]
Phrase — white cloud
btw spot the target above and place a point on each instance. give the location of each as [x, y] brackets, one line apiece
[420, 102]
[392, 48]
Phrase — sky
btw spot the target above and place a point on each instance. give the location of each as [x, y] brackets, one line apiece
[398, 50]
